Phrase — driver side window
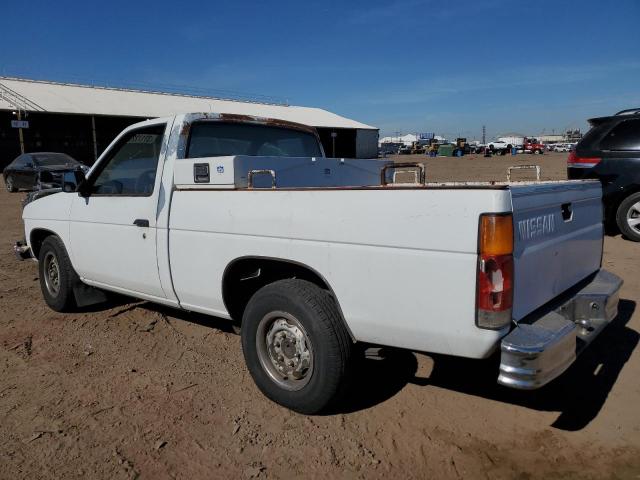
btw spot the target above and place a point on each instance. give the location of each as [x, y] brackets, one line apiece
[130, 169]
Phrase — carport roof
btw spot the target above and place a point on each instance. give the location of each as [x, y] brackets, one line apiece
[44, 96]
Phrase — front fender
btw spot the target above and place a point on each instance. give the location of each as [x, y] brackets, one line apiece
[49, 213]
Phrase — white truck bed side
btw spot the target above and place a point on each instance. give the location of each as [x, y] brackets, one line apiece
[362, 242]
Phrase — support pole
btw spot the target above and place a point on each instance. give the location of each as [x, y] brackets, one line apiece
[20, 135]
[95, 143]
[333, 144]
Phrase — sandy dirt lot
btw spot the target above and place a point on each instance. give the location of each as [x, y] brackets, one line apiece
[132, 390]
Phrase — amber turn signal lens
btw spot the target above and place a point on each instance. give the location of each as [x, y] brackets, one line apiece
[496, 234]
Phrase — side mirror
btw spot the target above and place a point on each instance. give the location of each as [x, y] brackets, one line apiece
[72, 180]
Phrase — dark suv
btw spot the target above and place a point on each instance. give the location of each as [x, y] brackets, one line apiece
[610, 152]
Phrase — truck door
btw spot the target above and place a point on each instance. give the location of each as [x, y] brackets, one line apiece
[113, 226]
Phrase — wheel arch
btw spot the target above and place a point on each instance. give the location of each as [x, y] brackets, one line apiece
[612, 209]
[620, 196]
[258, 271]
[37, 236]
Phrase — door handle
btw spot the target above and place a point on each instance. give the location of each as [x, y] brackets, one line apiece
[141, 222]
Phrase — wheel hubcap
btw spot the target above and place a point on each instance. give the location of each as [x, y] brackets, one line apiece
[51, 274]
[9, 184]
[284, 350]
[633, 216]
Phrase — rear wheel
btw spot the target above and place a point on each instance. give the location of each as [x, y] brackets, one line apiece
[295, 345]
[57, 276]
[628, 217]
[9, 184]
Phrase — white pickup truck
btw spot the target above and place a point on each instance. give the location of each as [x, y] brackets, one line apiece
[244, 218]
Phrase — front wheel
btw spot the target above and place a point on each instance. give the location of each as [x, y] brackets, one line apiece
[57, 276]
[11, 187]
[295, 345]
[628, 217]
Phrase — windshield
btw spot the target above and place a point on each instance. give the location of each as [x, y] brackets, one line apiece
[215, 139]
[52, 159]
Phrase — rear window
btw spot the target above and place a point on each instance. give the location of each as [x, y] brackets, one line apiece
[52, 159]
[215, 139]
[624, 136]
[21, 161]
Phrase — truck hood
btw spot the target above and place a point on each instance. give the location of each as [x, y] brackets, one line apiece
[37, 194]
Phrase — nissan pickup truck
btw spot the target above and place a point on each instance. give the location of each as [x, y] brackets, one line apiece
[246, 219]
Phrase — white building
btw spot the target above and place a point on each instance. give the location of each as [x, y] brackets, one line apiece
[407, 139]
[81, 120]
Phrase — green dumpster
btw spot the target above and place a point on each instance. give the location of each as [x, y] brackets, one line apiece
[446, 150]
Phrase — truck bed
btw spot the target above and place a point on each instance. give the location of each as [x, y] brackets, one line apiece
[361, 237]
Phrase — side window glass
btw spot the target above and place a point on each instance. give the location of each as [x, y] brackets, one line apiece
[130, 169]
[624, 136]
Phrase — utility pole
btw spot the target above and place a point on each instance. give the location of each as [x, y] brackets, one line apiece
[484, 135]
[333, 144]
[93, 132]
[20, 133]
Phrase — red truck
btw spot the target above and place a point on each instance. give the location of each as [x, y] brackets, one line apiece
[532, 145]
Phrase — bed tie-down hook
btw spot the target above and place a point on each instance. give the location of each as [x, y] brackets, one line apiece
[416, 167]
[523, 167]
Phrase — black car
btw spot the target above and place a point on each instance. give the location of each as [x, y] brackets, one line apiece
[610, 152]
[39, 170]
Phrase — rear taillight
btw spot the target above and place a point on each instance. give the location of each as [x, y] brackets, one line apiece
[494, 297]
[573, 160]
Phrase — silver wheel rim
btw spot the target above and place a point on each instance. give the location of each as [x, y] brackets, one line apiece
[51, 274]
[284, 350]
[633, 217]
[9, 183]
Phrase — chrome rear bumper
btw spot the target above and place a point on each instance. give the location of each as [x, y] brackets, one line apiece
[536, 352]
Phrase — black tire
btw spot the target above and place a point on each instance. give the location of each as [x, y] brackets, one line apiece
[60, 299]
[10, 185]
[629, 209]
[330, 345]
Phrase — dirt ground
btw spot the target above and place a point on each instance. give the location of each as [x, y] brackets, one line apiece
[131, 390]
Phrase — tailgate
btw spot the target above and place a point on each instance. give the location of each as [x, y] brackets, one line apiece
[558, 239]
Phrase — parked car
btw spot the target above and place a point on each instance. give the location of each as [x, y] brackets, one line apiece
[389, 148]
[36, 170]
[306, 265]
[610, 152]
[498, 146]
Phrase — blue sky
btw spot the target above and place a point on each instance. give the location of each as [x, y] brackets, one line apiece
[404, 65]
